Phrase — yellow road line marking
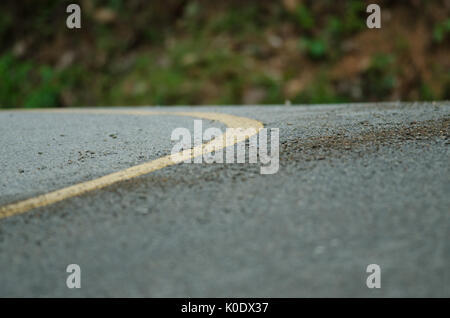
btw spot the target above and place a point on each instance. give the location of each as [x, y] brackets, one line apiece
[217, 143]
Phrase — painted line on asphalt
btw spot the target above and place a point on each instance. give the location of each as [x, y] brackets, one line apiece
[215, 144]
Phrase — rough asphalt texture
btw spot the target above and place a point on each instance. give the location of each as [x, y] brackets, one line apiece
[358, 184]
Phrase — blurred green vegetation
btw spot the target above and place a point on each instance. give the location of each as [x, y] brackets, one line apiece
[201, 52]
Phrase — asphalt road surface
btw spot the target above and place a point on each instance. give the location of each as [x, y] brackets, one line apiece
[357, 185]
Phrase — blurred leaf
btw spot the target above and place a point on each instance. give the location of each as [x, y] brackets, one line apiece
[316, 48]
[305, 17]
